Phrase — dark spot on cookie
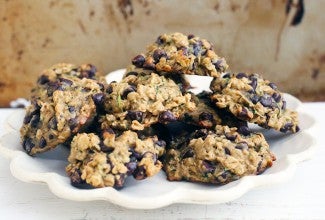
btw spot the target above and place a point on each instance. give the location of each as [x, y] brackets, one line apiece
[131, 166]
[28, 145]
[140, 173]
[255, 99]
[158, 53]
[161, 143]
[230, 136]
[43, 79]
[219, 65]
[166, 116]
[135, 154]
[273, 86]
[276, 97]
[243, 113]
[244, 130]
[109, 89]
[135, 115]
[73, 124]
[98, 98]
[138, 60]
[65, 81]
[242, 146]
[106, 149]
[188, 153]
[53, 86]
[160, 40]
[266, 101]
[209, 167]
[42, 142]
[71, 109]
[34, 121]
[88, 71]
[149, 65]
[227, 151]
[241, 75]
[197, 47]
[53, 123]
[288, 126]
[128, 90]
[227, 75]
[253, 83]
[190, 36]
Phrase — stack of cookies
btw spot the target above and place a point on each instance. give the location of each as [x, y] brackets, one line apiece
[150, 121]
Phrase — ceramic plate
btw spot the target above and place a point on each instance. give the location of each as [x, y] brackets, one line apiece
[155, 192]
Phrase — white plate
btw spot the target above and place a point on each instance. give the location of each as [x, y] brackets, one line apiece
[157, 192]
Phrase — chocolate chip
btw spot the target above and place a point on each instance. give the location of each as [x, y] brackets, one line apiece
[98, 98]
[188, 153]
[106, 149]
[149, 65]
[243, 113]
[135, 115]
[135, 154]
[160, 40]
[241, 75]
[53, 86]
[71, 109]
[161, 143]
[244, 130]
[73, 124]
[28, 145]
[190, 36]
[288, 126]
[266, 101]
[276, 97]
[34, 121]
[242, 146]
[52, 123]
[227, 151]
[131, 166]
[88, 71]
[218, 65]
[209, 167]
[255, 99]
[159, 53]
[166, 116]
[66, 82]
[273, 86]
[230, 136]
[127, 91]
[138, 60]
[43, 79]
[253, 83]
[140, 173]
[197, 47]
[227, 75]
[109, 89]
[42, 142]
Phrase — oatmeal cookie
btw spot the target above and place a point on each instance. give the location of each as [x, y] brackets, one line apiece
[218, 157]
[207, 115]
[139, 101]
[109, 160]
[251, 98]
[178, 53]
[62, 104]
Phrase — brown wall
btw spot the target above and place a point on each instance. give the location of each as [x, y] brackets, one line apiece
[252, 35]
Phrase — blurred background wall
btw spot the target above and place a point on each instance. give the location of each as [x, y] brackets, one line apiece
[282, 39]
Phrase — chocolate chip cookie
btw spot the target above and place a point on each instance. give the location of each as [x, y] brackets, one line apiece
[62, 104]
[109, 160]
[141, 100]
[218, 156]
[178, 53]
[251, 98]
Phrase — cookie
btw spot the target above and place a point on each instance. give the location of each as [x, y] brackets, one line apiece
[139, 101]
[109, 160]
[218, 157]
[62, 104]
[251, 98]
[178, 53]
[207, 115]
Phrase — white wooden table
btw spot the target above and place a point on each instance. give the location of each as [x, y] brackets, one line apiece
[303, 197]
